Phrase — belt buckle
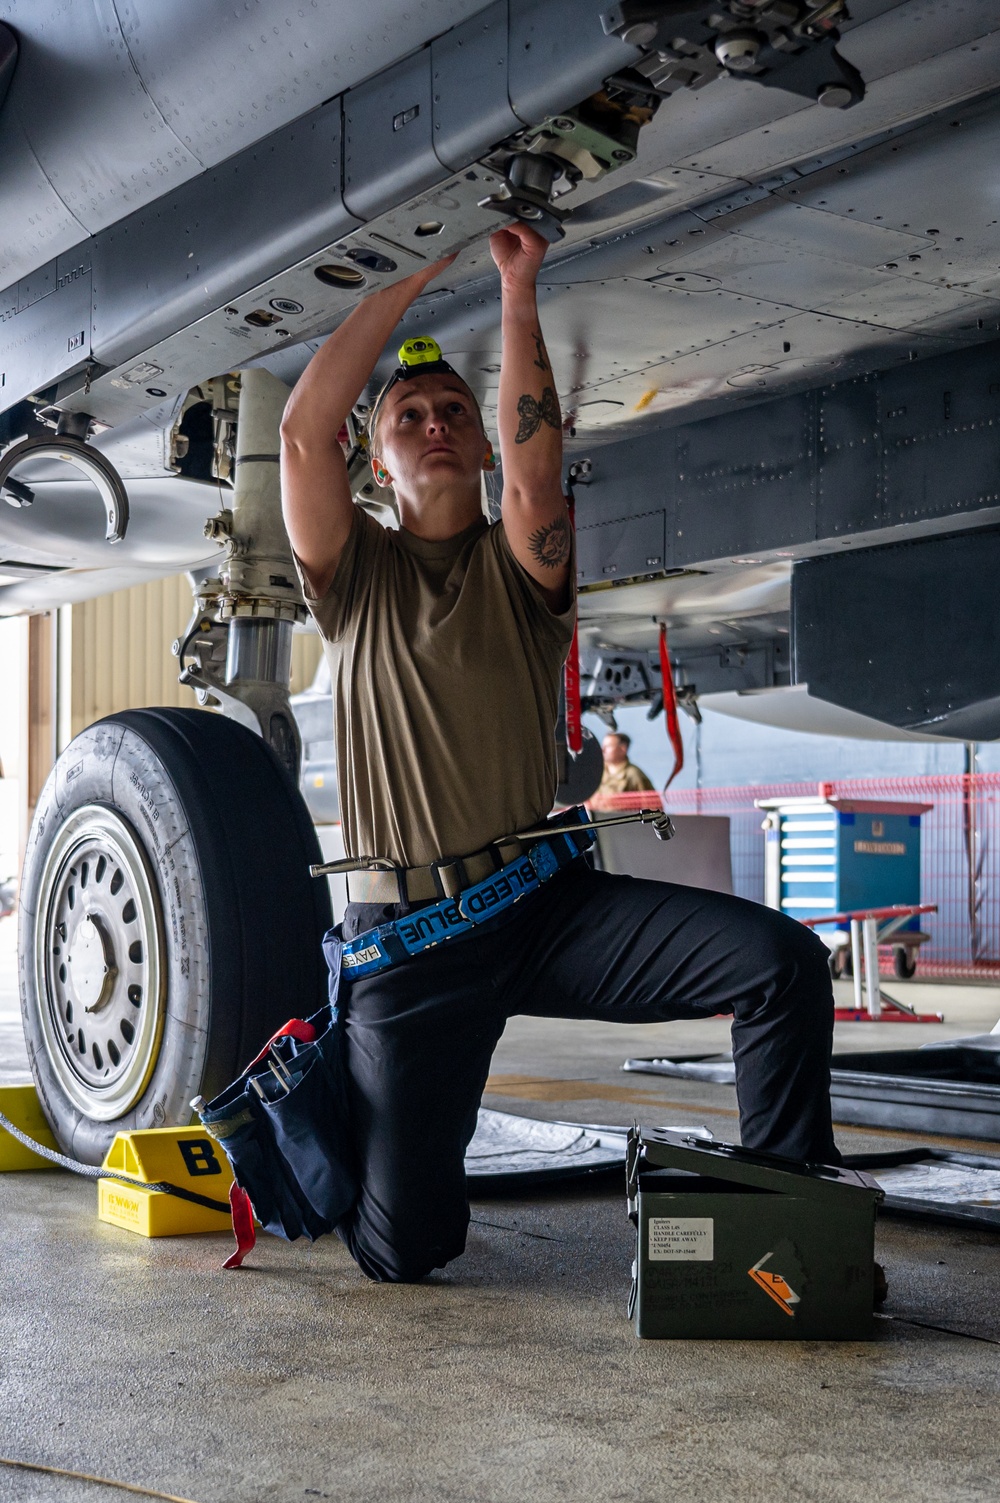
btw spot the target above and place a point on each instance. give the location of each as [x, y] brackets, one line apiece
[508, 849]
[449, 877]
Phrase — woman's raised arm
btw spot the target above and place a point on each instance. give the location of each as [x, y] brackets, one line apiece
[315, 493]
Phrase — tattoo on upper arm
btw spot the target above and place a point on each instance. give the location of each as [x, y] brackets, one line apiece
[534, 413]
[550, 545]
[541, 360]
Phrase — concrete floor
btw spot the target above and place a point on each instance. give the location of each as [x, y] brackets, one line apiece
[514, 1375]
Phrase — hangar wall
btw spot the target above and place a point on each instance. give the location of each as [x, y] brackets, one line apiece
[114, 654]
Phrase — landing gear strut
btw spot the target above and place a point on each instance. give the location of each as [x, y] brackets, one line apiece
[237, 649]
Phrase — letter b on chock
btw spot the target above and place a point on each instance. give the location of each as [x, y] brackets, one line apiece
[199, 1157]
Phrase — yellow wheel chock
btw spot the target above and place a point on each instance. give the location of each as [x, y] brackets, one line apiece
[182, 1156]
[21, 1105]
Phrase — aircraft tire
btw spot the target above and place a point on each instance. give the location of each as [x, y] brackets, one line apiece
[168, 922]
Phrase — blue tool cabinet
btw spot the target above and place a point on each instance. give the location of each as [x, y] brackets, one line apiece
[836, 855]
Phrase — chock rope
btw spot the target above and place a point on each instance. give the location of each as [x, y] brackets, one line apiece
[91, 1171]
[59, 1471]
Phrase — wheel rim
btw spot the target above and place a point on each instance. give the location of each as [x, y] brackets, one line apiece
[99, 967]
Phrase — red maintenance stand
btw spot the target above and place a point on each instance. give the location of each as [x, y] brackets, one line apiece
[871, 927]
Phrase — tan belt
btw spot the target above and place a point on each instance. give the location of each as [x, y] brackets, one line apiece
[373, 879]
[443, 879]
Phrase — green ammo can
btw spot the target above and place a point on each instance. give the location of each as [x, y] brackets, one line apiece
[738, 1245]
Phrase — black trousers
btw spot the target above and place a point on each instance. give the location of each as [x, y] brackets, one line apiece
[419, 1038]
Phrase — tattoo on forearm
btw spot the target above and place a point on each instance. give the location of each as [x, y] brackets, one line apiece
[540, 359]
[550, 545]
[534, 413]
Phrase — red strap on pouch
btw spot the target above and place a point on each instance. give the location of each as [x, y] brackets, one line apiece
[243, 1227]
[670, 706]
[295, 1028]
[239, 1200]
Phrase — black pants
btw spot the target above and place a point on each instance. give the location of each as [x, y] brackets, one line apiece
[420, 1037]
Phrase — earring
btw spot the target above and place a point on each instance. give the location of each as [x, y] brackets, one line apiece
[490, 462]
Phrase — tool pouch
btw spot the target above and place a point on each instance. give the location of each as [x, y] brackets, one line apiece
[283, 1125]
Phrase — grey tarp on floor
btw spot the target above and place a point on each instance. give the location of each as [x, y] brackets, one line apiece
[947, 1184]
[937, 1184]
[505, 1145]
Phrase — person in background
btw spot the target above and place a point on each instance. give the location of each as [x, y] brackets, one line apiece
[621, 775]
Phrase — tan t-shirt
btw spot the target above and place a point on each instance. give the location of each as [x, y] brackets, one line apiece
[445, 667]
[626, 778]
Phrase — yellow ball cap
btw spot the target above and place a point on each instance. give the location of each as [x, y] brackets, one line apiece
[419, 352]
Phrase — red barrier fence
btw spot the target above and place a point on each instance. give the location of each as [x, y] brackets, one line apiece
[960, 854]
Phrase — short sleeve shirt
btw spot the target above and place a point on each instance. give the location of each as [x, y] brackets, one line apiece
[445, 664]
[626, 778]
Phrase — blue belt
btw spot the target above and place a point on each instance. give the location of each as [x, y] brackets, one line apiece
[378, 949]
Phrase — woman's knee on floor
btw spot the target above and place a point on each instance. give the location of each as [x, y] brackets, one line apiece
[396, 1255]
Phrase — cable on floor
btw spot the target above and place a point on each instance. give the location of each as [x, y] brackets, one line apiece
[926, 1325]
[59, 1471]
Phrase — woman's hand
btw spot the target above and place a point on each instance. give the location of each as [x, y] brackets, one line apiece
[518, 252]
[418, 280]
